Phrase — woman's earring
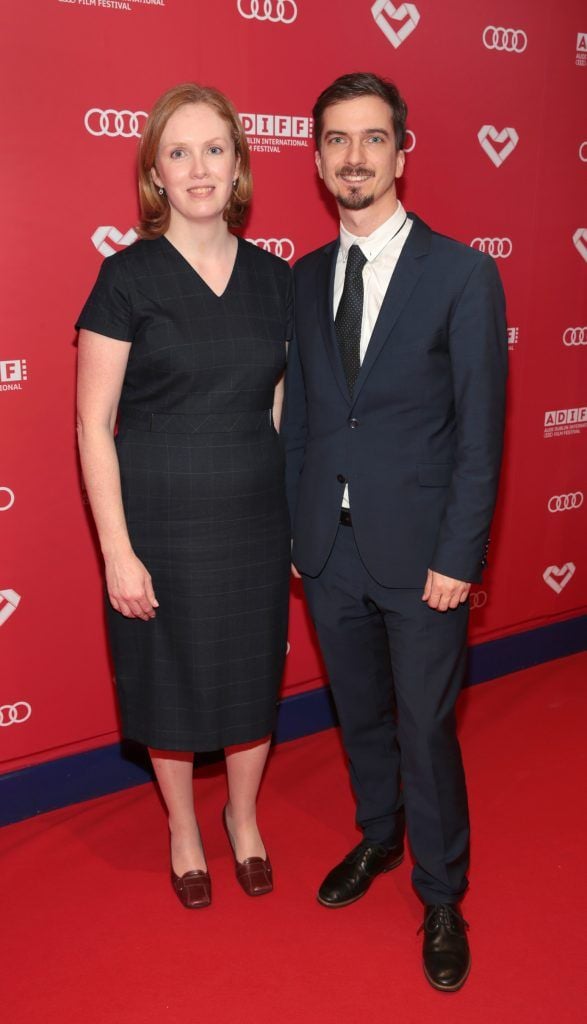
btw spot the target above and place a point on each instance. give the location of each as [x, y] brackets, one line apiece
[161, 191]
[235, 183]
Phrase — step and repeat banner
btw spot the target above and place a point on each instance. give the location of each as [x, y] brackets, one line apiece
[497, 157]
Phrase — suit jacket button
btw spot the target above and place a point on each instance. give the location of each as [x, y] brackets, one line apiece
[341, 479]
[353, 424]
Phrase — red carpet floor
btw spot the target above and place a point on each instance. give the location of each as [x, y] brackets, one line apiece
[92, 933]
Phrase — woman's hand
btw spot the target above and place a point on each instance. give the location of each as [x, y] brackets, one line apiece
[130, 587]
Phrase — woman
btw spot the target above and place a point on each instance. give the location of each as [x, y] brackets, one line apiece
[184, 337]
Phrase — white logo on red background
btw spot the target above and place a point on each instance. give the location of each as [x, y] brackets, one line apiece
[282, 247]
[6, 499]
[580, 242]
[13, 373]
[9, 602]
[15, 714]
[388, 17]
[575, 336]
[115, 6]
[410, 141]
[284, 11]
[583, 152]
[126, 124]
[499, 248]
[562, 416]
[512, 40]
[564, 422]
[270, 133]
[488, 135]
[581, 57]
[513, 333]
[477, 599]
[279, 126]
[102, 234]
[557, 578]
[565, 502]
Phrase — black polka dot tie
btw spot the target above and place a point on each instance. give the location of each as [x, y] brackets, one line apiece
[349, 316]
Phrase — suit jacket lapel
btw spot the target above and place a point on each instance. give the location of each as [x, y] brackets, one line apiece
[325, 285]
[406, 275]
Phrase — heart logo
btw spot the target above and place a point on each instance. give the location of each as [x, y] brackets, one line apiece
[384, 13]
[564, 574]
[9, 602]
[101, 234]
[580, 242]
[487, 135]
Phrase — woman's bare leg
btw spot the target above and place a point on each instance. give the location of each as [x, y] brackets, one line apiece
[244, 768]
[174, 771]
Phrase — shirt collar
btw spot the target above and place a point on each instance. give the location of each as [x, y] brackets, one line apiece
[372, 245]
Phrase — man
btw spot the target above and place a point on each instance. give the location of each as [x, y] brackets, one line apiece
[393, 429]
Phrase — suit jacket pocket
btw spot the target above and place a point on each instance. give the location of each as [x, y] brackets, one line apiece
[435, 474]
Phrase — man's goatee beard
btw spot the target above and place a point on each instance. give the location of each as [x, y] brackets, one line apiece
[355, 200]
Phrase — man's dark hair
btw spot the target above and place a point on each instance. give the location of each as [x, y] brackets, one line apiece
[362, 83]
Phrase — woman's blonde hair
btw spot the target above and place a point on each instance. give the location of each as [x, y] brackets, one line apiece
[155, 210]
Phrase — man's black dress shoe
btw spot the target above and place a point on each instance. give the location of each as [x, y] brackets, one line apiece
[350, 879]
[447, 960]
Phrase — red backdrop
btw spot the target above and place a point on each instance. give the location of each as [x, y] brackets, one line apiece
[498, 158]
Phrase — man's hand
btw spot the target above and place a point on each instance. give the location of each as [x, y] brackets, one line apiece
[442, 592]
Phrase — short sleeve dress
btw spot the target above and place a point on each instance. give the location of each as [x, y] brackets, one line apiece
[203, 490]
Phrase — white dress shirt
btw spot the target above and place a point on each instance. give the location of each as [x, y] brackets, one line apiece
[382, 250]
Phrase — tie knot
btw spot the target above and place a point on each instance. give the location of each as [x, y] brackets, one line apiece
[355, 260]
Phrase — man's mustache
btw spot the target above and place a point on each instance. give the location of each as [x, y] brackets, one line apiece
[349, 169]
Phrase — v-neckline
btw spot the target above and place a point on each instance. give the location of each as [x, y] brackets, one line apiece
[217, 295]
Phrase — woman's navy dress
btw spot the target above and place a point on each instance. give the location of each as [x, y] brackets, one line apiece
[203, 491]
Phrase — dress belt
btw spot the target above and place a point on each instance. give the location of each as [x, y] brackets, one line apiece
[196, 423]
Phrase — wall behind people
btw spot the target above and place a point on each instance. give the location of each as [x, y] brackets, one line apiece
[497, 157]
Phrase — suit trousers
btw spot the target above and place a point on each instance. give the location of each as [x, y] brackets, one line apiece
[396, 668]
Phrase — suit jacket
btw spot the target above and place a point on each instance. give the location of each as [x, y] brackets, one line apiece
[420, 441]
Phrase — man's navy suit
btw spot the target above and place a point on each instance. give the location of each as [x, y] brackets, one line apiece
[419, 445]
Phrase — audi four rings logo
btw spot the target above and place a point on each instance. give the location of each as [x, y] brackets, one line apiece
[384, 13]
[284, 11]
[583, 152]
[488, 134]
[15, 714]
[575, 336]
[410, 143]
[6, 499]
[565, 502]
[124, 123]
[513, 40]
[282, 247]
[499, 248]
[477, 599]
